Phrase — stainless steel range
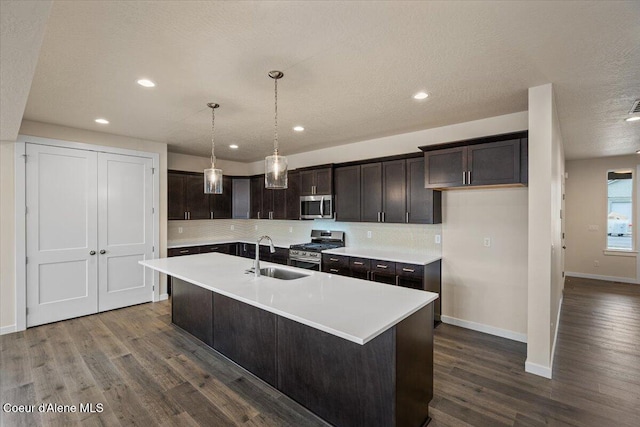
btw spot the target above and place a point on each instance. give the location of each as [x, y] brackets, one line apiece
[308, 255]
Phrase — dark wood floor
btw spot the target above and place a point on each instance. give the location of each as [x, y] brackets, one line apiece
[147, 372]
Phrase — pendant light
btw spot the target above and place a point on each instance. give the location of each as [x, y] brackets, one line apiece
[275, 176]
[213, 176]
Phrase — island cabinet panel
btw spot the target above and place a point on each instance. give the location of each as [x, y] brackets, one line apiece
[192, 309]
[433, 283]
[246, 335]
[345, 383]
[414, 368]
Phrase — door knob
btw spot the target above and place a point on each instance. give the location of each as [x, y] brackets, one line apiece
[102, 252]
[92, 253]
[564, 247]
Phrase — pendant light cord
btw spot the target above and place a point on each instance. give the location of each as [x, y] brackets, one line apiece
[275, 128]
[213, 144]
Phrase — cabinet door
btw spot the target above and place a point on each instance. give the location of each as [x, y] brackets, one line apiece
[324, 181]
[257, 185]
[371, 192]
[241, 198]
[279, 203]
[445, 168]
[394, 191]
[424, 205]
[293, 196]
[221, 203]
[280, 256]
[196, 201]
[347, 196]
[267, 202]
[307, 182]
[494, 163]
[175, 196]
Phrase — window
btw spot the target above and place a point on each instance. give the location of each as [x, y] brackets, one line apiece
[620, 210]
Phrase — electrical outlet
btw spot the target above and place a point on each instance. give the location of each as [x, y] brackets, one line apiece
[233, 227]
[438, 239]
[368, 234]
[255, 227]
[487, 242]
[596, 263]
[179, 230]
[290, 229]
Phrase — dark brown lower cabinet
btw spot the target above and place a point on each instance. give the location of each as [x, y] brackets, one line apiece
[385, 382]
[192, 309]
[246, 335]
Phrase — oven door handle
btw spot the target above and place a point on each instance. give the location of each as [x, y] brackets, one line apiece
[322, 206]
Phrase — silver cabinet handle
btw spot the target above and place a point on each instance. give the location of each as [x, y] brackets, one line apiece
[188, 215]
[378, 216]
[409, 270]
[211, 213]
[321, 206]
[464, 178]
[102, 252]
[214, 249]
[333, 270]
[333, 259]
[358, 263]
[185, 215]
[382, 266]
[92, 253]
[383, 216]
[469, 178]
[407, 217]
[185, 251]
[258, 214]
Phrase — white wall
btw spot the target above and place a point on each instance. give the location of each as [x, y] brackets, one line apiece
[7, 259]
[586, 206]
[185, 162]
[485, 286]
[545, 259]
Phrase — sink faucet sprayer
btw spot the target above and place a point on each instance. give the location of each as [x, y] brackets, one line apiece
[256, 263]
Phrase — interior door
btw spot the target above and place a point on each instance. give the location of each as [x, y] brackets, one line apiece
[125, 230]
[61, 233]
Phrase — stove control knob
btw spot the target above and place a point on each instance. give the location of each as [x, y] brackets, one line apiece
[303, 254]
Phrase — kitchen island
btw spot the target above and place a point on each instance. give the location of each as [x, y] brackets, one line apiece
[354, 352]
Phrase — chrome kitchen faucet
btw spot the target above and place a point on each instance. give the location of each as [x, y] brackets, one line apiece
[256, 263]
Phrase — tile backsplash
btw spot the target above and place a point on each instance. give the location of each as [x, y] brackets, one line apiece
[402, 237]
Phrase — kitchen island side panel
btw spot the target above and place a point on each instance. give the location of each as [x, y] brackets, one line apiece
[192, 309]
[345, 383]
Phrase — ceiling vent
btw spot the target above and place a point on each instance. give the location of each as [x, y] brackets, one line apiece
[635, 108]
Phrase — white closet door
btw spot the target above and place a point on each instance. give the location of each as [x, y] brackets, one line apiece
[61, 233]
[125, 230]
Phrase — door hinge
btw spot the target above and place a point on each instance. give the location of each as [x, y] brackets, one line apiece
[563, 274]
[26, 209]
[27, 311]
[153, 171]
[563, 235]
[26, 260]
[24, 156]
[153, 210]
[153, 248]
[153, 288]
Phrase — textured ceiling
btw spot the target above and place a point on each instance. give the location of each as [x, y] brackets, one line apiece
[351, 69]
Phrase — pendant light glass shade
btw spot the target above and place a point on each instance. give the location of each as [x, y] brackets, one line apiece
[275, 176]
[275, 173]
[213, 176]
[213, 181]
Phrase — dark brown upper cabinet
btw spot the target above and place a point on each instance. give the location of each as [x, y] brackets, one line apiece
[316, 181]
[256, 189]
[383, 192]
[371, 192]
[292, 209]
[275, 204]
[424, 205]
[187, 199]
[347, 193]
[496, 160]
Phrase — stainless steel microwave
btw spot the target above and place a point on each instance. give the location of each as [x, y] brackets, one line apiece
[312, 207]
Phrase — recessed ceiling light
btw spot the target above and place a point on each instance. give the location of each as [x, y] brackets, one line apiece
[421, 95]
[146, 83]
[633, 119]
[298, 128]
[102, 121]
[233, 146]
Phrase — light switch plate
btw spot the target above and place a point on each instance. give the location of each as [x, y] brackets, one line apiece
[233, 227]
[438, 239]
[290, 229]
[369, 234]
[179, 230]
[487, 242]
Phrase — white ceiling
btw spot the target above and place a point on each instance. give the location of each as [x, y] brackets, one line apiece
[350, 68]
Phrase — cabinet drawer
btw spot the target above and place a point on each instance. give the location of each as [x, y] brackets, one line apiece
[335, 261]
[214, 248]
[183, 251]
[409, 270]
[342, 271]
[360, 264]
[383, 267]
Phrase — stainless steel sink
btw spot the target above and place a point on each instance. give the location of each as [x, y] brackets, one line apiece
[281, 273]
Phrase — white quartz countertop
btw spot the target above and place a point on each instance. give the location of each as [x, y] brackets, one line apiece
[353, 309]
[385, 255]
[279, 243]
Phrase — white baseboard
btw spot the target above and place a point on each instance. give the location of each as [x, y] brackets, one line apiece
[163, 297]
[598, 277]
[504, 333]
[8, 329]
[539, 370]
